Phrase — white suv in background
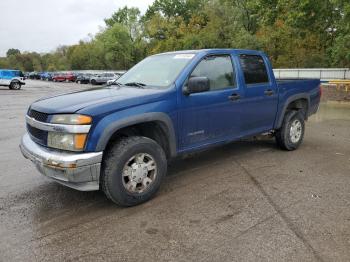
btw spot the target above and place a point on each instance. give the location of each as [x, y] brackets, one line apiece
[14, 79]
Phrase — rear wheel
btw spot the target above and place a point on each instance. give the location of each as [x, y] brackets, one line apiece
[133, 170]
[15, 85]
[291, 134]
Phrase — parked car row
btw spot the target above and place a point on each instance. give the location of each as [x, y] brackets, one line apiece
[80, 78]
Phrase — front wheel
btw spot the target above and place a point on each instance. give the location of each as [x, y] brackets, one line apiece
[291, 134]
[15, 86]
[133, 169]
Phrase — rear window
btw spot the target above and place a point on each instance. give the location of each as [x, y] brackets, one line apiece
[254, 69]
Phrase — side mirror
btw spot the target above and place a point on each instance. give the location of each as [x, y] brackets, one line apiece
[197, 84]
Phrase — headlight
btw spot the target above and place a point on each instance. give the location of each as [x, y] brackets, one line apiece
[71, 119]
[73, 138]
[64, 141]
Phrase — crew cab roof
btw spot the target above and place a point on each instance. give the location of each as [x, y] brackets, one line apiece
[215, 50]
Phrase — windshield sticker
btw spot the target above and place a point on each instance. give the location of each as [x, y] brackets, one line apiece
[184, 56]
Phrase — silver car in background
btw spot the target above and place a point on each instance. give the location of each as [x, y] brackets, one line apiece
[104, 78]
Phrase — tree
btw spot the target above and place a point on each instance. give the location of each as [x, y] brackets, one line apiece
[116, 44]
[12, 51]
[3, 63]
[175, 8]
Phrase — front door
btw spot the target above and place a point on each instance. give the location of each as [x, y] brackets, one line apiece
[214, 115]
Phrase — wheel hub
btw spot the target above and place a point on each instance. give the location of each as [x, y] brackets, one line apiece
[295, 131]
[139, 173]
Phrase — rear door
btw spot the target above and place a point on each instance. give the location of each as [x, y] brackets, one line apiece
[259, 105]
[211, 116]
[5, 77]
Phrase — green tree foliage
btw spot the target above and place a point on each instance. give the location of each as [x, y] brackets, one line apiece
[12, 51]
[294, 33]
[117, 46]
[175, 8]
[128, 17]
[339, 50]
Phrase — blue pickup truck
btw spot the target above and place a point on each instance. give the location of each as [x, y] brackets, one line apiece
[119, 138]
[14, 79]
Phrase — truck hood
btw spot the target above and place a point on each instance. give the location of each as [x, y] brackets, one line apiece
[73, 102]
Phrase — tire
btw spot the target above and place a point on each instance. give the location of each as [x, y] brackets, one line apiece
[290, 135]
[15, 85]
[120, 160]
[93, 82]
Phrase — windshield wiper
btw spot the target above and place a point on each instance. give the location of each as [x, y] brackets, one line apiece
[116, 83]
[137, 84]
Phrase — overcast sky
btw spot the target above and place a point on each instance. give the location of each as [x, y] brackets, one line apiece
[42, 25]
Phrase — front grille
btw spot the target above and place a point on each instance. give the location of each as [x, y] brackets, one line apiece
[39, 136]
[42, 117]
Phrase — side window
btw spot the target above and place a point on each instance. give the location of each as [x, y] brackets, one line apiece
[218, 69]
[7, 74]
[254, 69]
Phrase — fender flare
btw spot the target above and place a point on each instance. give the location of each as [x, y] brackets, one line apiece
[138, 119]
[286, 104]
[17, 79]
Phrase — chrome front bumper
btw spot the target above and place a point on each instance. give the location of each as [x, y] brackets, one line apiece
[80, 171]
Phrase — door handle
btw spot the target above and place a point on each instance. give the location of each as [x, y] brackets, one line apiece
[234, 97]
[268, 92]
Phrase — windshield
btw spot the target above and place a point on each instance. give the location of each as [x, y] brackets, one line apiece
[157, 71]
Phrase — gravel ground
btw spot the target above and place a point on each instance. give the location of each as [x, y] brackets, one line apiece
[246, 201]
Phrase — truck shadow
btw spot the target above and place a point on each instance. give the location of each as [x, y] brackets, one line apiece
[60, 196]
[215, 154]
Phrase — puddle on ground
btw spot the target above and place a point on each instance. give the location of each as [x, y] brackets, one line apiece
[332, 110]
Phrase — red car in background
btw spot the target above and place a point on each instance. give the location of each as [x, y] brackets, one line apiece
[58, 78]
[68, 77]
[71, 77]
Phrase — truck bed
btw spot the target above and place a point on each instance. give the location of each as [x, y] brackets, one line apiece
[305, 85]
[290, 88]
[294, 80]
